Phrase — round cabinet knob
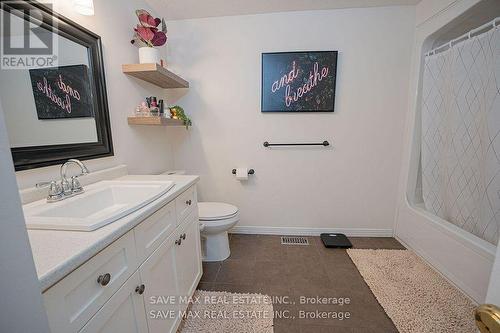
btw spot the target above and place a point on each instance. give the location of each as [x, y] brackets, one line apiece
[183, 236]
[104, 279]
[188, 202]
[140, 289]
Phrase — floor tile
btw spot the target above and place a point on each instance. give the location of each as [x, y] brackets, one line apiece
[210, 270]
[302, 252]
[270, 253]
[280, 290]
[240, 250]
[307, 272]
[271, 272]
[239, 271]
[205, 286]
[260, 264]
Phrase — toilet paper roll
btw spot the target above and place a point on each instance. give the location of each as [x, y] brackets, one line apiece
[242, 173]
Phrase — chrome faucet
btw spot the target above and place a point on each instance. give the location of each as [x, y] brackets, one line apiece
[65, 189]
[74, 187]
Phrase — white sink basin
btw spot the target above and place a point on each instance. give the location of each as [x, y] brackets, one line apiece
[102, 203]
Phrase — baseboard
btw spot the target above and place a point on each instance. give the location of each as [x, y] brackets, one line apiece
[298, 231]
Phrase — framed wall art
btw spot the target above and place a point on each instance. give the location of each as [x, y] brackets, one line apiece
[299, 81]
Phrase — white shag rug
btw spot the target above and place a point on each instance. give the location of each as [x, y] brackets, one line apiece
[217, 311]
[414, 296]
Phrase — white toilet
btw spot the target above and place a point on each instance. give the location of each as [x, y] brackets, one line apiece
[216, 218]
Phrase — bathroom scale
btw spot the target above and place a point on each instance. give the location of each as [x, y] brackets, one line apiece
[335, 240]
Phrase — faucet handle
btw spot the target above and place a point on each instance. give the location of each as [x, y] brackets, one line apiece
[54, 188]
[43, 184]
[66, 187]
[75, 185]
[55, 191]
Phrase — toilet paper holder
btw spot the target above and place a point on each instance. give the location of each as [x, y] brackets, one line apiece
[250, 172]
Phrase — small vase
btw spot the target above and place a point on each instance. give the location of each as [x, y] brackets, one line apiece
[149, 55]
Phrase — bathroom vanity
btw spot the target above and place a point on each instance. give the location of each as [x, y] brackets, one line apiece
[132, 275]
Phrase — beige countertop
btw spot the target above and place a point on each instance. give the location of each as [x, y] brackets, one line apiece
[57, 253]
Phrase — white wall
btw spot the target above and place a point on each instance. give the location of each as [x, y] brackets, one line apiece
[351, 186]
[21, 300]
[463, 258]
[143, 149]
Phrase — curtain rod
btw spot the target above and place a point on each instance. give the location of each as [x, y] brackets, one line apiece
[491, 24]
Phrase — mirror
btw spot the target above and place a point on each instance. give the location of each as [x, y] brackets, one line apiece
[52, 87]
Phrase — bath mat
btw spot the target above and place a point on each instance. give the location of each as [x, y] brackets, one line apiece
[216, 311]
[414, 296]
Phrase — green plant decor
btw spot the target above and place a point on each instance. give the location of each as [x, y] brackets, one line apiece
[178, 112]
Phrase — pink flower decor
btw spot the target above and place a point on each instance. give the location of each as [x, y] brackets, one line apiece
[144, 33]
[147, 32]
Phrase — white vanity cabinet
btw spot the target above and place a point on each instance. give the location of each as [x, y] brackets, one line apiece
[134, 284]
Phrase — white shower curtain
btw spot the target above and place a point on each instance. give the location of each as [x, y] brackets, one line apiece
[461, 135]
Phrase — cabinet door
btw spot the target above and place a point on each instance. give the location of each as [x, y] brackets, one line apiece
[124, 311]
[188, 257]
[158, 274]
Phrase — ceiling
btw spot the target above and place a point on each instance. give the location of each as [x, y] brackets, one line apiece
[186, 9]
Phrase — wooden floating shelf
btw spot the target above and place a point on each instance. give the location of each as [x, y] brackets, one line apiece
[155, 121]
[155, 74]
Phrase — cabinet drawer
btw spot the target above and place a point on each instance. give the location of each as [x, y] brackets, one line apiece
[75, 299]
[185, 204]
[150, 233]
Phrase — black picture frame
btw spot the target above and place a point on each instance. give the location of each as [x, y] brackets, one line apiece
[39, 156]
[333, 55]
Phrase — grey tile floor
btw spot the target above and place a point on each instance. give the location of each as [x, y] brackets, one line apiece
[260, 264]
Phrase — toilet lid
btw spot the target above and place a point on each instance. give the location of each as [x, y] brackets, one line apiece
[209, 211]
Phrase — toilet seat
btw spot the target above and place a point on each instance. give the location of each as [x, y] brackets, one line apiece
[216, 211]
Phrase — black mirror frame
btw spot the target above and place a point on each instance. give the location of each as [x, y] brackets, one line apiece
[39, 156]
